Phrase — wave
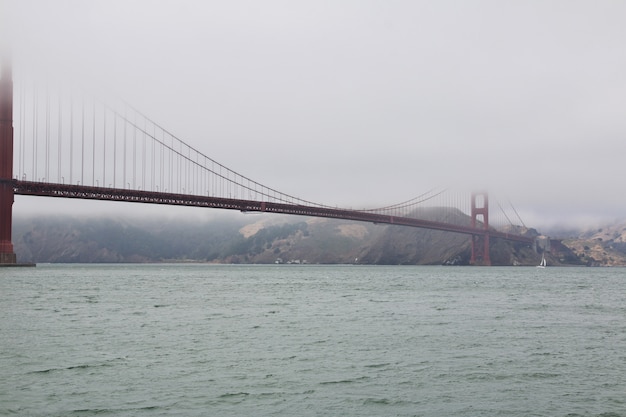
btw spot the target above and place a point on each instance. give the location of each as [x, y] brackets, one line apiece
[115, 411]
[107, 363]
[345, 381]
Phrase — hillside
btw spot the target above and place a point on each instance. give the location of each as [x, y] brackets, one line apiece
[284, 239]
[604, 246]
[245, 239]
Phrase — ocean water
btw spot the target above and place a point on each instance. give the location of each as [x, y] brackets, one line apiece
[308, 340]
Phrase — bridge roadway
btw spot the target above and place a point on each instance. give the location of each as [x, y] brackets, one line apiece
[151, 197]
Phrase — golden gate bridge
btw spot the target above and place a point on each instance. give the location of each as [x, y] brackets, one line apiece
[57, 143]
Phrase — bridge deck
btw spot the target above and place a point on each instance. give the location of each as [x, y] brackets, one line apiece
[151, 197]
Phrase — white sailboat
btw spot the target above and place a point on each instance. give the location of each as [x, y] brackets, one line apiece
[542, 264]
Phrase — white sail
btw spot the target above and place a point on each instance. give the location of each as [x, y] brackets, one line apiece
[542, 264]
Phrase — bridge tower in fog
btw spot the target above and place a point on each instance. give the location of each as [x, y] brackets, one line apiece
[7, 255]
[480, 242]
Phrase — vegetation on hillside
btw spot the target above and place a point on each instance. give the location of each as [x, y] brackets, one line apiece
[256, 239]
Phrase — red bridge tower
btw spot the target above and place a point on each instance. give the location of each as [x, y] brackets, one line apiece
[7, 256]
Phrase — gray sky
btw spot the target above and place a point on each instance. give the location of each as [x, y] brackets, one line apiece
[363, 103]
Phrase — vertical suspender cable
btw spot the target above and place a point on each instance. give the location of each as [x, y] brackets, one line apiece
[34, 168]
[60, 141]
[135, 151]
[22, 167]
[71, 136]
[188, 185]
[124, 166]
[82, 145]
[162, 165]
[93, 146]
[171, 170]
[46, 135]
[114, 148]
[154, 143]
[143, 156]
[19, 147]
[104, 145]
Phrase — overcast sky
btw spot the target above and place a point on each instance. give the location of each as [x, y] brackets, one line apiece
[362, 103]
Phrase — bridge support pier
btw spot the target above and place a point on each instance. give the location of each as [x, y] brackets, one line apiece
[7, 256]
[480, 242]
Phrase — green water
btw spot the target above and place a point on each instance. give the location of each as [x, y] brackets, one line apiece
[198, 340]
